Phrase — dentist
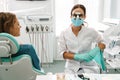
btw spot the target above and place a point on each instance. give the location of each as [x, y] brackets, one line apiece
[76, 41]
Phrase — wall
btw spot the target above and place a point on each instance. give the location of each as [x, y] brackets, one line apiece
[29, 14]
[61, 17]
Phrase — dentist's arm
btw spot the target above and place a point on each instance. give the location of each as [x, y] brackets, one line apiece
[86, 56]
[82, 57]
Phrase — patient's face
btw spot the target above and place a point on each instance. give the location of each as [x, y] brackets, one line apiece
[15, 30]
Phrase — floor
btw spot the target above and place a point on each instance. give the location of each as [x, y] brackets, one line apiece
[56, 67]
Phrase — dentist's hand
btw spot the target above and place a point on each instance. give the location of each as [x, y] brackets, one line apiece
[101, 46]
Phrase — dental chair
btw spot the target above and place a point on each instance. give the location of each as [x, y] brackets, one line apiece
[15, 68]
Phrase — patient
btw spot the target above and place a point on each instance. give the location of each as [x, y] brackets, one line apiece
[9, 24]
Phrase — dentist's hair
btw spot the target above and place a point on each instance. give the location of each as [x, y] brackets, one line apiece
[79, 6]
[7, 20]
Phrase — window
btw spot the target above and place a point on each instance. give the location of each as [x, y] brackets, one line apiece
[112, 9]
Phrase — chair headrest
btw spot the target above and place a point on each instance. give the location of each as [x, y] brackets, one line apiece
[8, 45]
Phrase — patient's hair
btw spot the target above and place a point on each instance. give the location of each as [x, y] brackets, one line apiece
[7, 20]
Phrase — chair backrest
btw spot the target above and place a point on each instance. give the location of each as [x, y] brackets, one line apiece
[16, 68]
[8, 45]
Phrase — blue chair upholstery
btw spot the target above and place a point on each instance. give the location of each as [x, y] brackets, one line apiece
[15, 68]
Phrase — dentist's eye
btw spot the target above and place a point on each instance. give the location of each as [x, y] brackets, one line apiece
[81, 15]
[78, 15]
[74, 15]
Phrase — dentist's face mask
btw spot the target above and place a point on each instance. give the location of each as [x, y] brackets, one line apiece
[77, 20]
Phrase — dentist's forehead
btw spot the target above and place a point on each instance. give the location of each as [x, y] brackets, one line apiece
[77, 13]
[78, 10]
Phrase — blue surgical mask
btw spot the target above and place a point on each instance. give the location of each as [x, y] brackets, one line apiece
[77, 21]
